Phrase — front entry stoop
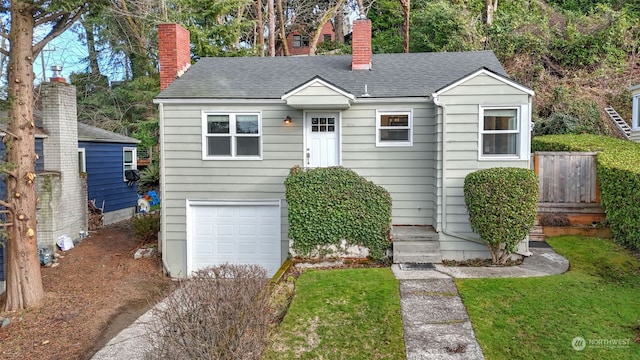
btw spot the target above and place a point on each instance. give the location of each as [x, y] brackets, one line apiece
[415, 244]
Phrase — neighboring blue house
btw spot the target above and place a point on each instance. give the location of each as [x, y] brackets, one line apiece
[104, 157]
[76, 162]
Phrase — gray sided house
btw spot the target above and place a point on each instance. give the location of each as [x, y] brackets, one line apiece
[416, 124]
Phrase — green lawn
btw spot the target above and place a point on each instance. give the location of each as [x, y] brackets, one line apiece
[342, 314]
[598, 299]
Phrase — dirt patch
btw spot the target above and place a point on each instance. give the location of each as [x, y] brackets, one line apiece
[97, 290]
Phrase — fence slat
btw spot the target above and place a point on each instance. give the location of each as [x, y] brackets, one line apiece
[567, 177]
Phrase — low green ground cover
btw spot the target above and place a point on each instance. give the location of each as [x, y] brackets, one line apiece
[547, 318]
[342, 314]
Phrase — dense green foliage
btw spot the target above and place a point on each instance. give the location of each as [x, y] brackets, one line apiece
[442, 26]
[342, 314]
[125, 107]
[328, 205]
[149, 178]
[502, 203]
[618, 171]
[538, 318]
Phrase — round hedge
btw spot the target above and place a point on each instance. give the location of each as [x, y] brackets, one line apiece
[502, 204]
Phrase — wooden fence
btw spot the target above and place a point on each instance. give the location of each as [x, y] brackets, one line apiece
[567, 177]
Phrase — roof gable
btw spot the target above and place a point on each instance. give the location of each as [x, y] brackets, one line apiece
[484, 71]
[318, 94]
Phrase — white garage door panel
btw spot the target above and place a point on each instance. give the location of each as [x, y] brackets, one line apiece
[237, 233]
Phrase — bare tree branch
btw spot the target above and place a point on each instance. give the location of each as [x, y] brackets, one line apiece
[60, 27]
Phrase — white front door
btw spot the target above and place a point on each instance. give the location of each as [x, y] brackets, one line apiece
[323, 140]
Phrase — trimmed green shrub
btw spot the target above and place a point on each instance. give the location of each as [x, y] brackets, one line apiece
[502, 203]
[146, 227]
[618, 171]
[557, 123]
[328, 205]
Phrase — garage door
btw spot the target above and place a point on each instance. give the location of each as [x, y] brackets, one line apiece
[236, 232]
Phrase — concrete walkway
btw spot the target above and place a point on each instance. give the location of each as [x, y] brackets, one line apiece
[436, 323]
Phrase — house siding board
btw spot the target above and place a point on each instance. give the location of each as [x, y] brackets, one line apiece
[462, 105]
[400, 170]
[105, 176]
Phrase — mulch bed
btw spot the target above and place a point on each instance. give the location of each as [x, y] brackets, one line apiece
[96, 290]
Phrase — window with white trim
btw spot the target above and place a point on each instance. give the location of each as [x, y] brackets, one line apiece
[394, 128]
[500, 132]
[129, 160]
[231, 136]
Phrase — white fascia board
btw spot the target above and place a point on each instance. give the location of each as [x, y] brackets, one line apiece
[398, 100]
[218, 101]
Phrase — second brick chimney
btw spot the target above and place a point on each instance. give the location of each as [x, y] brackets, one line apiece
[174, 52]
[361, 45]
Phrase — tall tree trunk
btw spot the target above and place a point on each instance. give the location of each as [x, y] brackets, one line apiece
[272, 29]
[338, 27]
[361, 11]
[490, 6]
[283, 33]
[260, 31]
[24, 282]
[317, 32]
[406, 10]
[94, 67]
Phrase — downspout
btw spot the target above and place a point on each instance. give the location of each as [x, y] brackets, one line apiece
[445, 229]
[163, 212]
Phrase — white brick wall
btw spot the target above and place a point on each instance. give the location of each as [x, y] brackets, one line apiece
[67, 204]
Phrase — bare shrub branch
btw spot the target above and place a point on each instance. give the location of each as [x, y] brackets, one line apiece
[219, 313]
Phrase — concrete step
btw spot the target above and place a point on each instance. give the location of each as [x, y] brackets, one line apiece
[417, 246]
[416, 252]
[536, 234]
[413, 233]
[416, 259]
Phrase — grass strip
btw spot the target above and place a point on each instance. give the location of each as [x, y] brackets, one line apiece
[595, 304]
[342, 314]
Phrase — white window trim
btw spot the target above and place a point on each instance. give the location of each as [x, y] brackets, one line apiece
[382, 143]
[83, 166]
[232, 134]
[134, 160]
[522, 131]
[635, 112]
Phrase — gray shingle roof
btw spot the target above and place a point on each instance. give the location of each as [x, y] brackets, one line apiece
[92, 133]
[393, 75]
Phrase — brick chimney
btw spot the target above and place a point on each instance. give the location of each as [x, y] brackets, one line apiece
[174, 52]
[361, 45]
